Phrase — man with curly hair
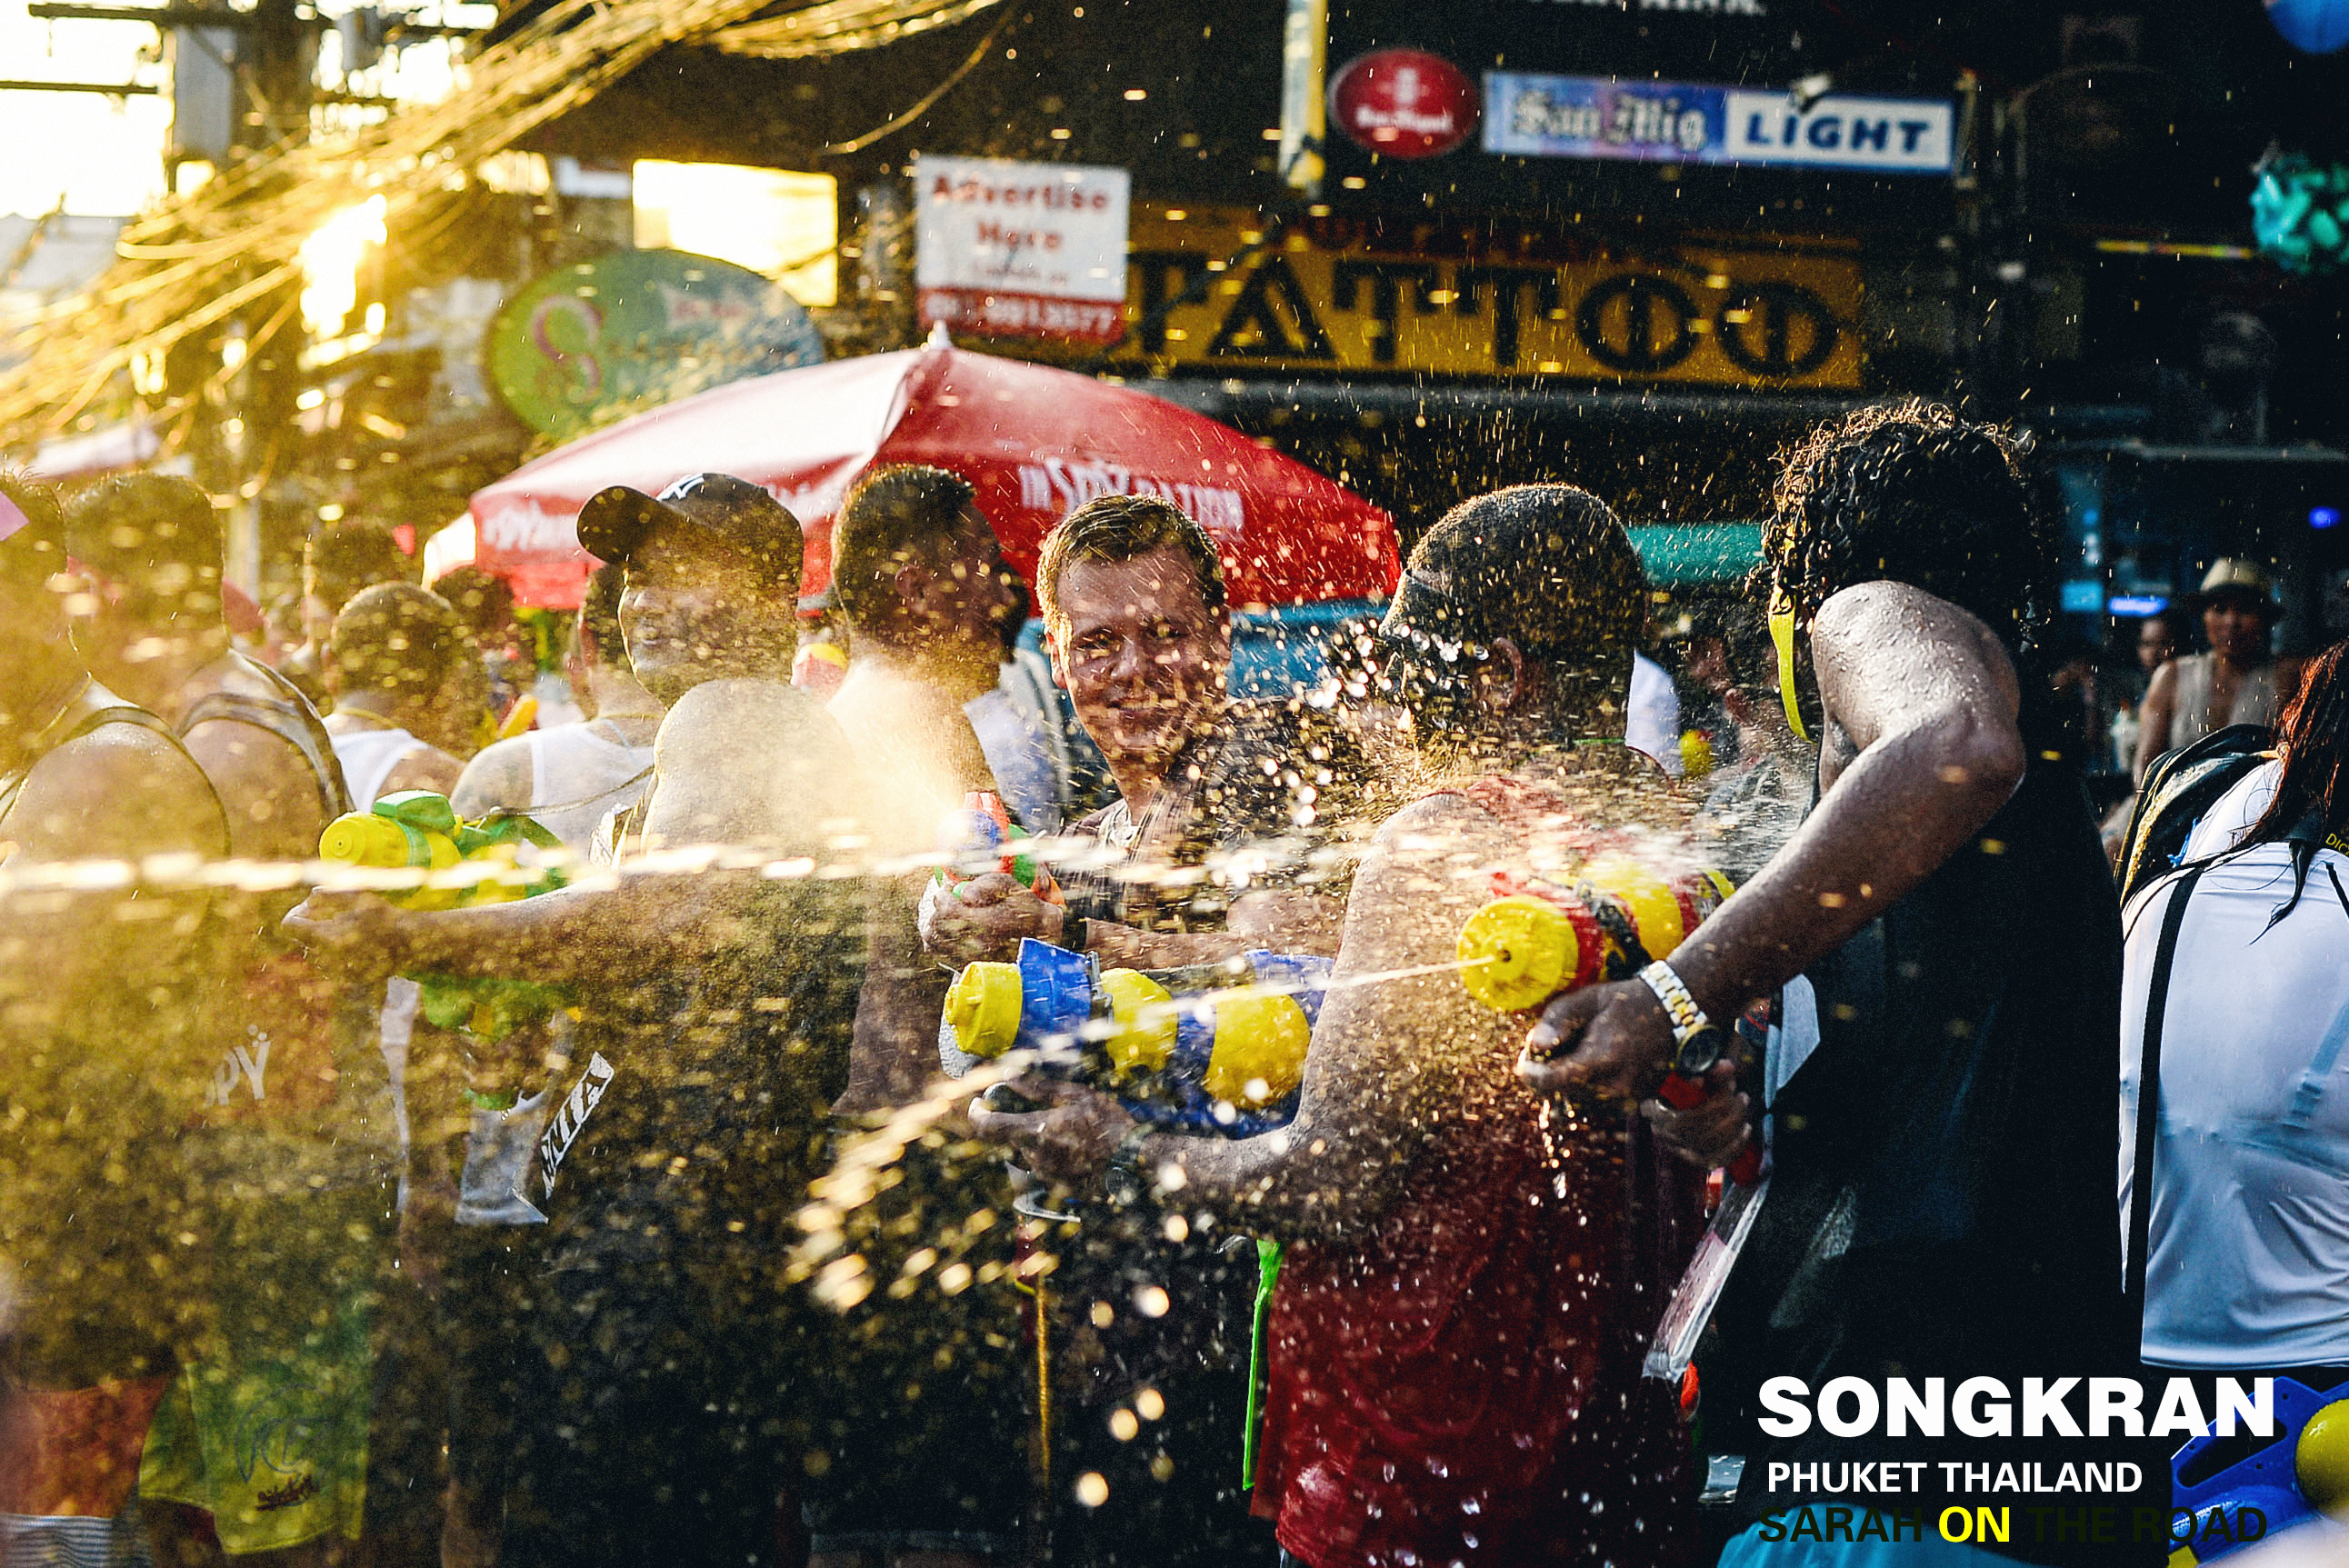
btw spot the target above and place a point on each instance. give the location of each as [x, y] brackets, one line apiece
[1942, 935]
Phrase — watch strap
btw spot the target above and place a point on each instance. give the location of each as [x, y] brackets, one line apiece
[1688, 1018]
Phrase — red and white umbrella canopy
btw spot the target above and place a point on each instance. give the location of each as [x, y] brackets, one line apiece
[1036, 442]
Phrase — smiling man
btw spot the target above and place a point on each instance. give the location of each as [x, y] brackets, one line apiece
[1133, 604]
[1219, 842]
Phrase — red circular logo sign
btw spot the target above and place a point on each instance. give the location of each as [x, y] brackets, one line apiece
[1405, 103]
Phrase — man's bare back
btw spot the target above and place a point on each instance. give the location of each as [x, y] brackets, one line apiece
[270, 791]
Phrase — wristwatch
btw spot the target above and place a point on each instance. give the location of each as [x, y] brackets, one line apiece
[1697, 1041]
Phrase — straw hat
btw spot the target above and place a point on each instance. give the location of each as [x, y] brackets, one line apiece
[2234, 576]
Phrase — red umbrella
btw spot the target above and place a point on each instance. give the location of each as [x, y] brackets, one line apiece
[1037, 442]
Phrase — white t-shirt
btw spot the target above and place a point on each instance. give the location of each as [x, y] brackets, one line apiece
[581, 774]
[2251, 1211]
[1654, 724]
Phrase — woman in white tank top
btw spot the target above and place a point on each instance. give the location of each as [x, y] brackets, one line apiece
[2237, 681]
[2248, 1241]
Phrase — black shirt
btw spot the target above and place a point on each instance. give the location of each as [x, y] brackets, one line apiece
[1943, 1202]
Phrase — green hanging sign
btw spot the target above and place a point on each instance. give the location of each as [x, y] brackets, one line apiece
[590, 343]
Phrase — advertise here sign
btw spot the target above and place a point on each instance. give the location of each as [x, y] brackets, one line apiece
[1021, 250]
[1535, 116]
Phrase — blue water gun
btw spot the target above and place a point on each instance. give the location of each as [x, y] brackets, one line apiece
[1211, 1049]
[2239, 1498]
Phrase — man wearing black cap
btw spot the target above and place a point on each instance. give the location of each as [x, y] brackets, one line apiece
[661, 1380]
[104, 1011]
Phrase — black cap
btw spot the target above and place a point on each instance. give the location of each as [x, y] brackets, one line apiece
[615, 523]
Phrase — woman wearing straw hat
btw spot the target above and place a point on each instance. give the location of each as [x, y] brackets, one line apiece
[2237, 681]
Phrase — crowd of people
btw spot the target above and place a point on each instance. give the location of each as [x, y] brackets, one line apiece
[659, 1217]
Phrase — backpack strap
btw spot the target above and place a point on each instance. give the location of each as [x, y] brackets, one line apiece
[2148, 1091]
[2177, 789]
[288, 715]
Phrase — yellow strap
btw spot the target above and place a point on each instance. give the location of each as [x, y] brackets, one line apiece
[1782, 635]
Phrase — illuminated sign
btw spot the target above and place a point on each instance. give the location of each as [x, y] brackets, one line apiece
[1021, 250]
[585, 344]
[1339, 299]
[1536, 116]
[1405, 103]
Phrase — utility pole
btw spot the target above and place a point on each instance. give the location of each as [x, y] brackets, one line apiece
[242, 82]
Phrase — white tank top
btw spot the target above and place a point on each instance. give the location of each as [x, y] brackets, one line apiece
[368, 757]
[582, 773]
[2249, 1263]
[2196, 716]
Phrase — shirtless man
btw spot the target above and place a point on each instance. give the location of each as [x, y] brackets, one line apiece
[661, 1395]
[1426, 1401]
[103, 1014]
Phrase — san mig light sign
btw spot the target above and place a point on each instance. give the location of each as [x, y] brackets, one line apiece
[1530, 115]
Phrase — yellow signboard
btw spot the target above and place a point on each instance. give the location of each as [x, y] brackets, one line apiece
[1295, 301]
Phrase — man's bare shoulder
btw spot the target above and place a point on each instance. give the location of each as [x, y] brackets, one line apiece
[750, 762]
[743, 717]
[1435, 845]
[1874, 614]
[121, 789]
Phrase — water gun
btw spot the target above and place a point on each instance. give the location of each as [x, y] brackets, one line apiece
[980, 838]
[1539, 938]
[1212, 1049]
[2244, 1490]
[419, 829]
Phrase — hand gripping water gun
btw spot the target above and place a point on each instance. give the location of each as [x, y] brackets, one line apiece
[982, 831]
[1539, 938]
[2242, 1489]
[1214, 1049]
[419, 829]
